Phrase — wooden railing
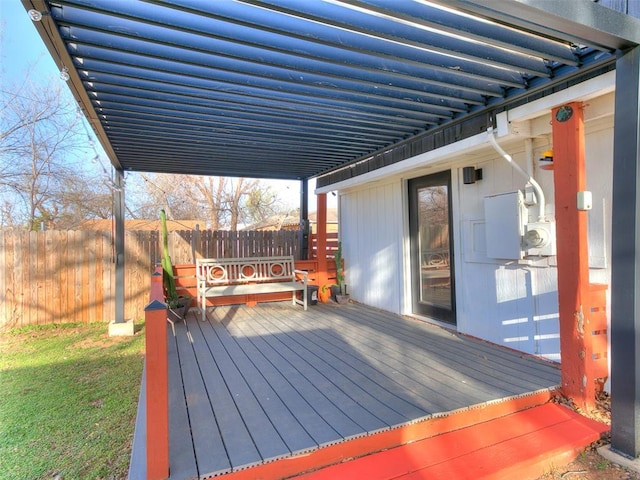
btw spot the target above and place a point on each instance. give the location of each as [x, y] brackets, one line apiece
[332, 245]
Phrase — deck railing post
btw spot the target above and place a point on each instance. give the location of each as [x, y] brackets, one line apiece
[157, 383]
[574, 291]
[321, 225]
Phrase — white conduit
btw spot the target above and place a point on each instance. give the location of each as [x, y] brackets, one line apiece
[530, 179]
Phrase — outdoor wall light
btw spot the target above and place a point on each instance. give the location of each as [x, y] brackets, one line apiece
[471, 175]
[64, 74]
[36, 15]
[546, 160]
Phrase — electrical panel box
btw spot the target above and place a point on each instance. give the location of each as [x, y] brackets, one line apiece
[505, 216]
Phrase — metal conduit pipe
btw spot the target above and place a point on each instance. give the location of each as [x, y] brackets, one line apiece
[536, 186]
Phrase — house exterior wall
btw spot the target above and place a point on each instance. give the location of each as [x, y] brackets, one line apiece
[371, 219]
[509, 302]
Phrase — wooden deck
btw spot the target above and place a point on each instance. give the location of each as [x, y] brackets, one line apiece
[252, 385]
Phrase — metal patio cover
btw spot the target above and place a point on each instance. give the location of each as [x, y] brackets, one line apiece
[293, 89]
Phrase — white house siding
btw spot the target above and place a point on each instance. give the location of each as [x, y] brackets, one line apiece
[507, 302]
[371, 222]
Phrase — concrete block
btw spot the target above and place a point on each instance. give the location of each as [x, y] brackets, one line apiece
[632, 464]
[121, 329]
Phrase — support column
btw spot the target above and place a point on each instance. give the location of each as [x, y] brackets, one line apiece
[323, 275]
[625, 259]
[119, 326]
[304, 219]
[578, 382]
[118, 213]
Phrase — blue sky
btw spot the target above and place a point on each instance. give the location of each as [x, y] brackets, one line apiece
[22, 47]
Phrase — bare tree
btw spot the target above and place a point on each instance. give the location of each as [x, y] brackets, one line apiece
[222, 202]
[43, 146]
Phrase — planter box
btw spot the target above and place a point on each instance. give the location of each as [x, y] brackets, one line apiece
[342, 298]
[175, 315]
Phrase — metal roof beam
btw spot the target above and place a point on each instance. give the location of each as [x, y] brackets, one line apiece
[278, 41]
[211, 67]
[250, 128]
[326, 121]
[123, 131]
[307, 29]
[225, 100]
[277, 158]
[388, 26]
[356, 68]
[271, 26]
[308, 94]
[218, 122]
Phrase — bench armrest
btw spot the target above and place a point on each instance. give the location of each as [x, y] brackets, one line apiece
[304, 274]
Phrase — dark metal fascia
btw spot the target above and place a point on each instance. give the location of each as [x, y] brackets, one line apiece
[452, 132]
[582, 22]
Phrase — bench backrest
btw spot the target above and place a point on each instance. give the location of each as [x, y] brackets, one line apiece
[224, 271]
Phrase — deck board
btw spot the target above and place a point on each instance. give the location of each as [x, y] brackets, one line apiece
[279, 429]
[317, 429]
[256, 384]
[477, 359]
[313, 386]
[184, 464]
[219, 422]
[430, 390]
[350, 389]
[209, 448]
[352, 374]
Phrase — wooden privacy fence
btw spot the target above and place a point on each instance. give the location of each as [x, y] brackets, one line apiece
[68, 276]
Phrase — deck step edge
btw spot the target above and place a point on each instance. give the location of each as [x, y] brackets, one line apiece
[522, 445]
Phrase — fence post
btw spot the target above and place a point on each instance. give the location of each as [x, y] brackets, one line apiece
[157, 383]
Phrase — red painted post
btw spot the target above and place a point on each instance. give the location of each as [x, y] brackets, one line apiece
[323, 276]
[157, 383]
[578, 381]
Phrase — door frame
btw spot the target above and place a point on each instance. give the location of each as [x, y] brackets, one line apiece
[434, 313]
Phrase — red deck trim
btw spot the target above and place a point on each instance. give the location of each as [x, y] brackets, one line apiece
[385, 440]
[519, 445]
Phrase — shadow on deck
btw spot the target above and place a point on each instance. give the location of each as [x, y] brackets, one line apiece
[252, 386]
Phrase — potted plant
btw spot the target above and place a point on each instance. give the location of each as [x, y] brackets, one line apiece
[341, 295]
[177, 305]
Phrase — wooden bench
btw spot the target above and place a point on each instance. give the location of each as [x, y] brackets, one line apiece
[218, 277]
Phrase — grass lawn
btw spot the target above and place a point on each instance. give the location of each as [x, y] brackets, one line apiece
[68, 399]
